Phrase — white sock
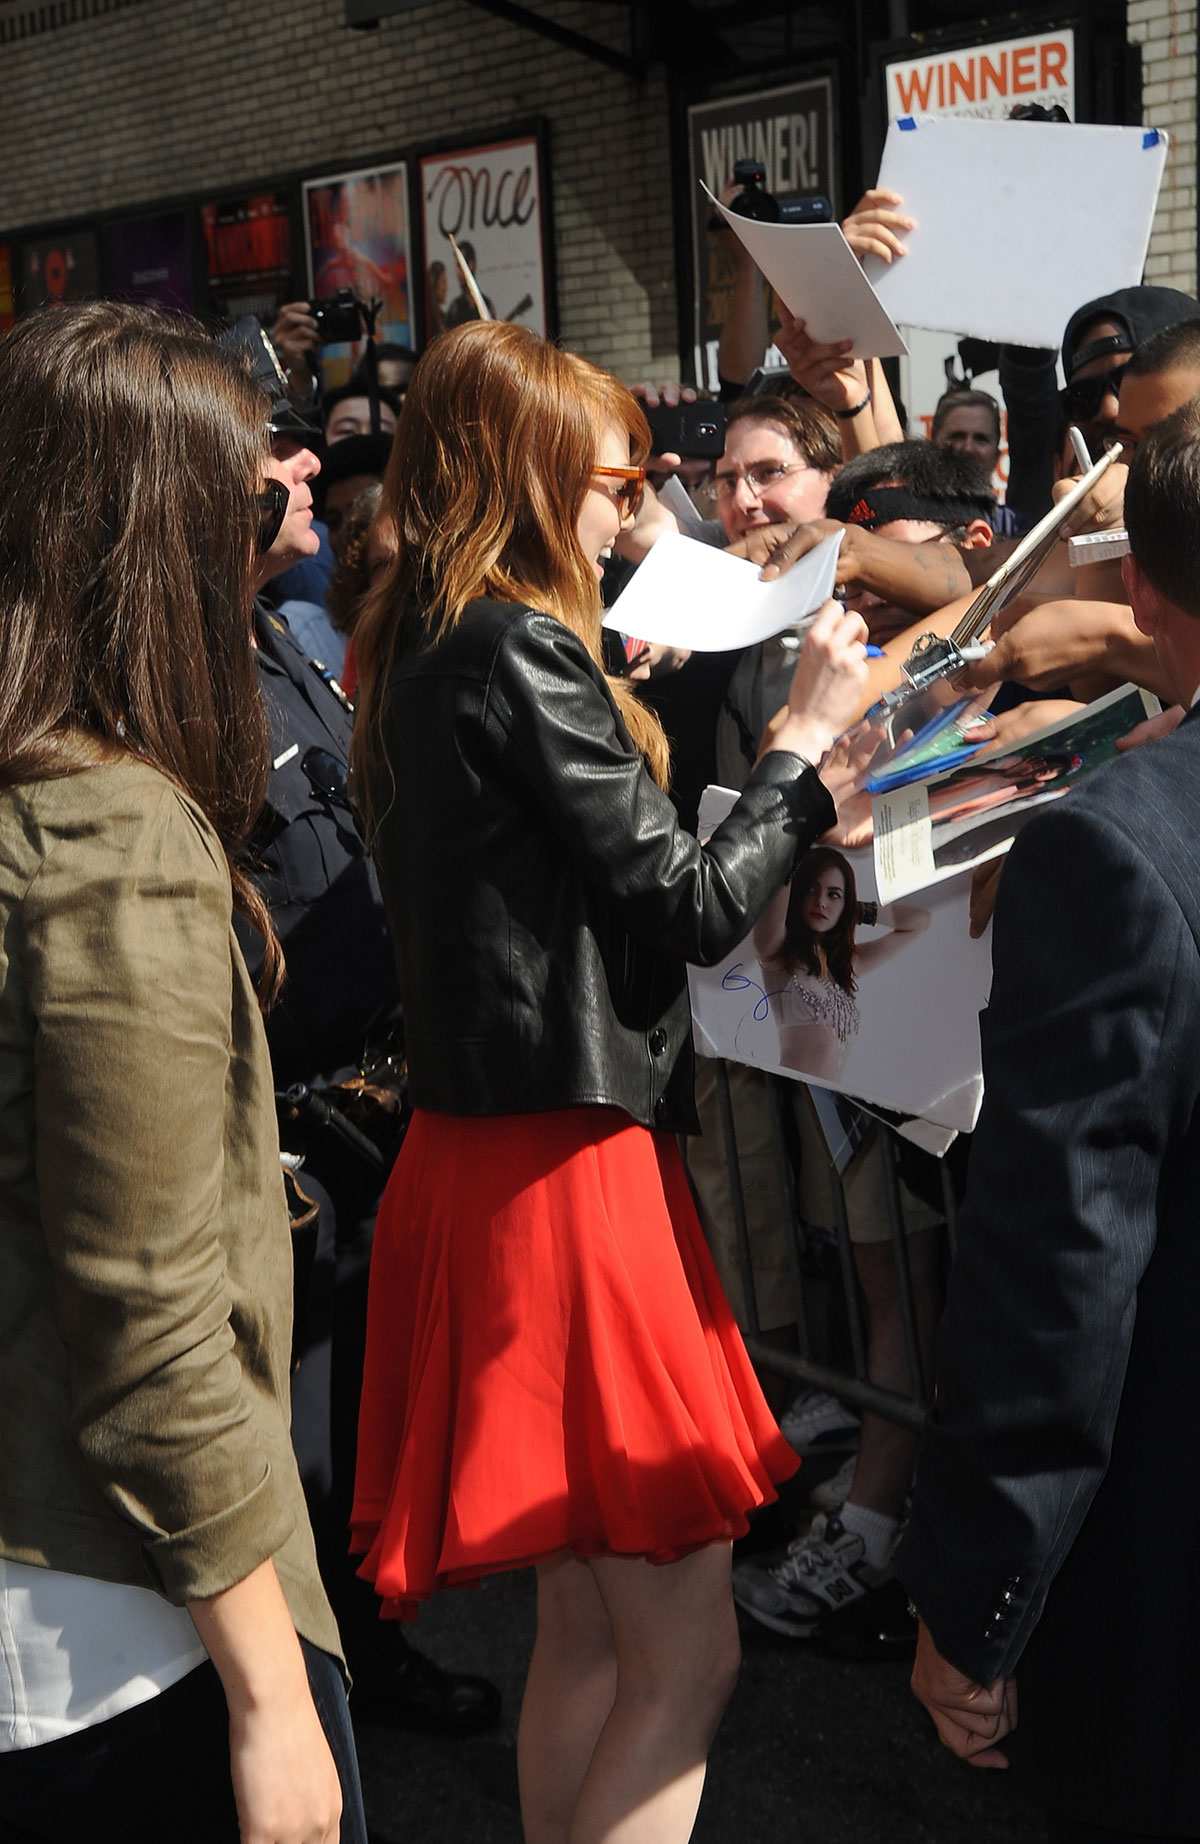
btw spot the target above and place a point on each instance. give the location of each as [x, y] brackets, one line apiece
[876, 1531]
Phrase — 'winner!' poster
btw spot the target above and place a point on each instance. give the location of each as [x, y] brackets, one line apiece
[357, 231]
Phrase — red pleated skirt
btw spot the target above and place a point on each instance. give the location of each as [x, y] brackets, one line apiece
[551, 1363]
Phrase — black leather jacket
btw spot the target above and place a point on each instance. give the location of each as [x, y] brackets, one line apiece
[543, 898]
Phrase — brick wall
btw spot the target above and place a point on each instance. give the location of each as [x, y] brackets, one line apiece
[1166, 32]
[115, 103]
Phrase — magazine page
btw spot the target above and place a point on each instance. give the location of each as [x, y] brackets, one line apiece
[931, 830]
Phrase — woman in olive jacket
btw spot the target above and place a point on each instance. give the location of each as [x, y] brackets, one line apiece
[552, 1375]
[164, 1639]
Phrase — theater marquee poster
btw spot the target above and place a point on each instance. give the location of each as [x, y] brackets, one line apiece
[492, 200]
[248, 254]
[356, 226]
[792, 131]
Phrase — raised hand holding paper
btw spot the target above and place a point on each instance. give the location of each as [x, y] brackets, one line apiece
[819, 279]
[687, 594]
[1017, 223]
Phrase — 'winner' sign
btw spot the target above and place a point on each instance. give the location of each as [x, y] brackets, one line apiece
[986, 80]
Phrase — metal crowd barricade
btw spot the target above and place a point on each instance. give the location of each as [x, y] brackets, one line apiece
[852, 1384]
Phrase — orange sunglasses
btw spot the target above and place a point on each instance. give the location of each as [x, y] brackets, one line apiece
[629, 494]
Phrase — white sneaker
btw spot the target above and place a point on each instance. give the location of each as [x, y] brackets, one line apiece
[823, 1570]
[833, 1492]
[819, 1423]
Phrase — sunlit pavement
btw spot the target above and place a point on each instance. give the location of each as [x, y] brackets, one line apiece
[811, 1748]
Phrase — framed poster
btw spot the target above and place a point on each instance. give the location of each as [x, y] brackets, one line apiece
[148, 260]
[356, 229]
[791, 131]
[64, 266]
[247, 253]
[492, 199]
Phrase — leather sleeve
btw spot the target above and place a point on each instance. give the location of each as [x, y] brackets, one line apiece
[128, 951]
[1090, 1073]
[559, 734]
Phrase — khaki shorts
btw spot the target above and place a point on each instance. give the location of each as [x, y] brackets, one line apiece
[863, 1184]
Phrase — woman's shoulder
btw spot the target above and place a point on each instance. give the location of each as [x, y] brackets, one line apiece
[121, 806]
[513, 657]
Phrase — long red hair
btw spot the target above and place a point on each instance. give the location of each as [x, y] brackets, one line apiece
[495, 450]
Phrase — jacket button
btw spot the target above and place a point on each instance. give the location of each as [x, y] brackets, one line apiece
[660, 1108]
[658, 1040]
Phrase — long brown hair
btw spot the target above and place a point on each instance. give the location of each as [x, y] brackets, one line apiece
[802, 948]
[495, 450]
[131, 452]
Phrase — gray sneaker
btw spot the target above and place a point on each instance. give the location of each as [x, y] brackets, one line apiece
[824, 1570]
[833, 1492]
[818, 1423]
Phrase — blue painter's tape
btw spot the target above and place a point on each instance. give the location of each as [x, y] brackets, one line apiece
[906, 121]
[1151, 138]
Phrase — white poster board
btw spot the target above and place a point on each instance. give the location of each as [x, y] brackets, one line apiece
[1007, 243]
[983, 81]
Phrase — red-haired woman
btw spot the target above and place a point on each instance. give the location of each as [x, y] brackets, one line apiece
[552, 1374]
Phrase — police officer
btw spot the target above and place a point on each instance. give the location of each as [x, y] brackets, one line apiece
[308, 859]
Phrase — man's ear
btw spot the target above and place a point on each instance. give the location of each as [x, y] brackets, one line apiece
[1144, 598]
[977, 537]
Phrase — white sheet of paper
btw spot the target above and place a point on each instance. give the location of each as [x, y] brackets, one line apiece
[1018, 223]
[673, 495]
[819, 279]
[686, 594]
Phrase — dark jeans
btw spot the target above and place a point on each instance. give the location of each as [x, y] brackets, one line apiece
[160, 1771]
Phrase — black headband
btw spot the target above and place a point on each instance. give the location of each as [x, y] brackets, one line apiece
[881, 505]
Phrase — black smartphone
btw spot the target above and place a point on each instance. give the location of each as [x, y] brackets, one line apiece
[690, 429]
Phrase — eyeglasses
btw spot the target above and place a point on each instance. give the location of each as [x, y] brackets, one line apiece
[273, 503]
[760, 478]
[629, 494]
[1081, 400]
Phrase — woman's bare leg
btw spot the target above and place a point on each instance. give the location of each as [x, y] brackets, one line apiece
[568, 1695]
[677, 1652]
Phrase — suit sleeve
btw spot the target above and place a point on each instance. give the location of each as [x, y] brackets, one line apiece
[130, 983]
[558, 734]
[1089, 1065]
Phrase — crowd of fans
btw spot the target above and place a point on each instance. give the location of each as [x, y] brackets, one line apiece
[813, 446]
[817, 447]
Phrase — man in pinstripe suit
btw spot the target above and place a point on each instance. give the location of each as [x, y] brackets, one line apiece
[1055, 1538]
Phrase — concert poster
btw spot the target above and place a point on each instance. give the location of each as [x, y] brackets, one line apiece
[492, 200]
[356, 227]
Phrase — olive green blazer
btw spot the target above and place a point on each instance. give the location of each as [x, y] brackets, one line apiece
[145, 1261]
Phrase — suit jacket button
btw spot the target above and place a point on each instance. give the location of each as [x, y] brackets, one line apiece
[658, 1040]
